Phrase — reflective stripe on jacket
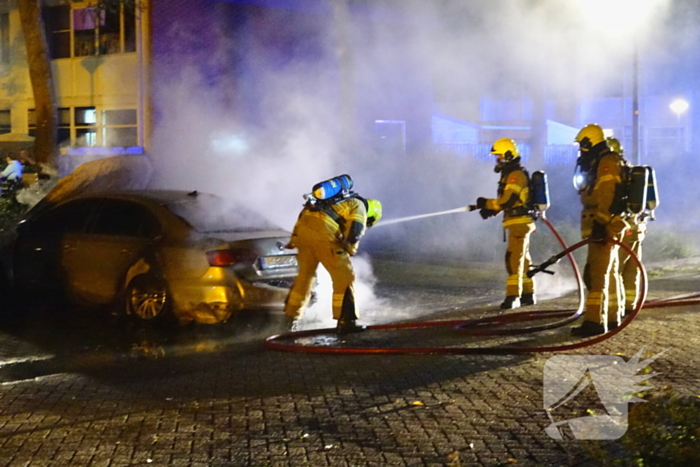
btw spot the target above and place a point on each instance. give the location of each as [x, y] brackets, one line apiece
[514, 194]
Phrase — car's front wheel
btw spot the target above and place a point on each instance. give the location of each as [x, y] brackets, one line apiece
[148, 298]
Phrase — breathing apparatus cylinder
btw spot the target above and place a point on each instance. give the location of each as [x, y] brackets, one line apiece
[637, 189]
[652, 191]
[539, 191]
[332, 187]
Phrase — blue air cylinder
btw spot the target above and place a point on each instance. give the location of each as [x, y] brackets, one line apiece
[332, 187]
[652, 191]
[539, 191]
[637, 189]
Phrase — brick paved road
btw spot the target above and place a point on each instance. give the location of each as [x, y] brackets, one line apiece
[245, 405]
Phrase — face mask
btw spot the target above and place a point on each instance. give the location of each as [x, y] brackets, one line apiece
[500, 163]
[580, 178]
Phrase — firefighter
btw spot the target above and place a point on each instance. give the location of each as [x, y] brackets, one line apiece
[328, 231]
[513, 197]
[629, 275]
[598, 180]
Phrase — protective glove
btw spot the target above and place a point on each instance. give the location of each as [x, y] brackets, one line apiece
[481, 203]
[598, 232]
[351, 248]
[290, 244]
[486, 213]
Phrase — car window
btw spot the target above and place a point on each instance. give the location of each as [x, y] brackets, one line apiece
[70, 217]
[126, 219]
[208, 213]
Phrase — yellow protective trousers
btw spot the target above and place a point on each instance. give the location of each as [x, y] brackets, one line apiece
[602, 265]
[316, 246]
[629, 272]
[518, 259]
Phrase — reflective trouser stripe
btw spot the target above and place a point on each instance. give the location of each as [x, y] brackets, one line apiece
[338, 304]
[616, 304]
[518, 221]
[594, 298]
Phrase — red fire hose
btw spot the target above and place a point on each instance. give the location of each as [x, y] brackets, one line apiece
[489, 326]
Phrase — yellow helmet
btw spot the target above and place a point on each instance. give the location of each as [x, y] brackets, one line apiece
[589, 136]
[507, 148]
[615, 145]
[374, 212]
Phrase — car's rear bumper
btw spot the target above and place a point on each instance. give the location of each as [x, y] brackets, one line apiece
[219, 293]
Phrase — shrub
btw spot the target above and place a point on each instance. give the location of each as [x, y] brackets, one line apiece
[664, 431]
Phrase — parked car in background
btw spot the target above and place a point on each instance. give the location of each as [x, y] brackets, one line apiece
[160, 254]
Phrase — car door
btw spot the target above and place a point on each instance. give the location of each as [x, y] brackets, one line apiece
[43, 242]
[113, 242]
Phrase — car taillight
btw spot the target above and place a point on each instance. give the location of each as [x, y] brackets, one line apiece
[224, 258]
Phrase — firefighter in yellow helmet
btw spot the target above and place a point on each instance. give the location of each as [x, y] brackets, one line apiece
[513, 196]
[328, 231]
[628, 280]
[597, 177]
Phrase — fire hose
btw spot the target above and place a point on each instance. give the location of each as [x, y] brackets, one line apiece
[492, 326]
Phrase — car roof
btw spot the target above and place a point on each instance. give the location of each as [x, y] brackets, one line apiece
[159, 196]
[175, 201]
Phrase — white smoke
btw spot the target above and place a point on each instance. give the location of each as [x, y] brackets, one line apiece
[457, 51]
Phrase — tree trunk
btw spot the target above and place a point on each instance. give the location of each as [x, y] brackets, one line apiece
[41, 76]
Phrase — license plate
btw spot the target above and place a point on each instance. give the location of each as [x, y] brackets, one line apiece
[276, 262]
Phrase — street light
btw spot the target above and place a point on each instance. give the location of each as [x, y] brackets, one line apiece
[679, 106]
[628, 17]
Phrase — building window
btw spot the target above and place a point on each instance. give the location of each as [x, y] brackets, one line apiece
[57, 21]
[85, 126]
[63, 132]
[5, 123]
[91, 31]
[80, 126]
[119, 128]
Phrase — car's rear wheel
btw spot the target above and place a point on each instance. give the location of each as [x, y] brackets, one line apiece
[148, 298]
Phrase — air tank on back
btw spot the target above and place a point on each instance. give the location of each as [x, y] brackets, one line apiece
[539, 191]
[637, 189]
[332, 187]
[652, 191]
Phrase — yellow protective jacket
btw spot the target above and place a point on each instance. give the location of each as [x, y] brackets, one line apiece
[598, 198]
[513, 195]
[350, 210]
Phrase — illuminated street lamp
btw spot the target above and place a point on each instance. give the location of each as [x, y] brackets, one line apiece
[679, 106]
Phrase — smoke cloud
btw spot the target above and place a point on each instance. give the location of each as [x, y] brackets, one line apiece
[273, 128]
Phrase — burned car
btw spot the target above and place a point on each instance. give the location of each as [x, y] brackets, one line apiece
[159, 254]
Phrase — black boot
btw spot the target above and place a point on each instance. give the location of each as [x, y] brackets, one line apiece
[588, 329]
[348, 314]
[347, 326]
[510, 302]
[528, 299]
